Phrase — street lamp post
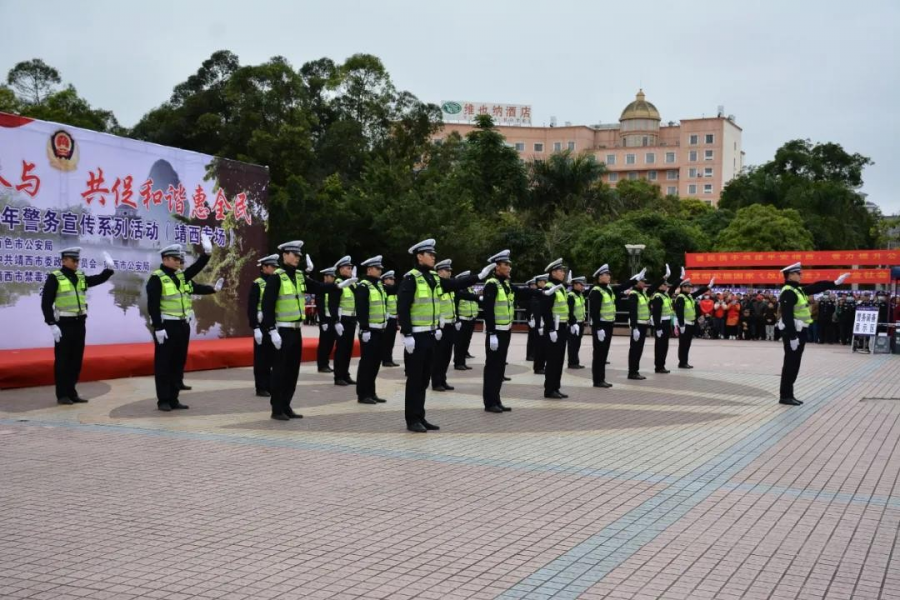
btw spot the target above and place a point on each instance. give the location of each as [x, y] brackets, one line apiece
[634, 256]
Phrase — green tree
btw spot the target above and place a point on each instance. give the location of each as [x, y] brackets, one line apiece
[566, 182]
[760, 228]
[490, 170]
[639, 195]
[66, 106]
[33, 80]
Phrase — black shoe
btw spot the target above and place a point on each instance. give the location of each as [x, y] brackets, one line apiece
[64, 400]
[554, 395]
[505, 408]
[379, 400]
[609, 363]
[493, 409]
[350, 381]
[575, 366]
[460, 368]
[505, 378]
[529, 358]
[416, 428]
[790, 401]
[438, 388]
[469, 355]
[448, 387]
[263, 394]
[603, 384]
[367, 401]
[663, 370]
[183, 387]
[468, 368]
[164, 407]
[280, 417]
[429, 426]
[341, 382]
[179, 406]
[636, 376]
[540, 372]
[292, 415]
[326, 370]
[561, 394]
[685, 367]
[78, 399]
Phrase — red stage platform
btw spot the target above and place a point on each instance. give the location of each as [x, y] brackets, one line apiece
[32, 367]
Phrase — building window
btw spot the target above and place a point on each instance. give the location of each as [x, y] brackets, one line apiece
[695, 139]
[650, 158]
[571, 145]
[672, 190]
[520, 146]
[557, 146]
[633, 175]
[710, 138]
[692, 189]
[629, 159]
[613, 177]
[671, 175]
[610, 159]
[692, 157]
[708, 155]
[670, 157]
[538, 147]
[692, 173]
[707, 188]
[651, 175]
[708, 172]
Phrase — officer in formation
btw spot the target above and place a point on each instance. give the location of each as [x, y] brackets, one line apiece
[536, 325]
[390, 331]
[262, 359]
[283, 308]
[170, 305]
[558, 321]
[343, 305]
[499, 298]
[371, 314]
[529, 318]
[419, 310]
[796, 317]
[576, 307]
[327, 336]
[603, 318]
[447, 324]
[685, 307]
[661, 313]
[466, 313]
[638, 321]
[64, 304]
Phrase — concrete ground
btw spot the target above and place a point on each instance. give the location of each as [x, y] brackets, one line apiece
[696, 484]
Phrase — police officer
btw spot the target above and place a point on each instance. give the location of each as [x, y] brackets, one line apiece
[447, 323]
[418, 310]
[576, 306]
[371, 314]
[661, 313]
[537, 328]
[169, 303]
[326, 325]
[343, 305]
[284, 308]
[795, 319]
[529, 318]
[390, 331]
[638, 321]
[558, 322]
[685, 307]
[262, 359]
[467, 312]
[603, 318]
[64, 304]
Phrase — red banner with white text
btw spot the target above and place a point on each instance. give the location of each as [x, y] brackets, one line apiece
[828, 258]
[776, 277]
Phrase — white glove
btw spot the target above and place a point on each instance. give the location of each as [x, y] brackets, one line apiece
[365, 336]
[276, 339]
[636, 334]
[668, 271]
[574, 329]
[438, 334]
[347, 283]
[841, 279]
[681, 277]
[441, 322]
[219, 283]
[206, 243]
[458, 325]
[324, 326]
[552, 290]
[483, 274]
[494, 342]
[192, 319]
[57, 333]
[531, 323]
[569, 277]
[601, 335]
[309, 264]
[711, 282]
[541, 330]
[554, 336]
[795, 343]
[257, 335]
[161, 336]
[339, 329]
[353, 273]
[659, 333]
[108, 261]
[410, 343]
[683, 328]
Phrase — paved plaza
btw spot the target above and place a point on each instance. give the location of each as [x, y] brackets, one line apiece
[696, 484]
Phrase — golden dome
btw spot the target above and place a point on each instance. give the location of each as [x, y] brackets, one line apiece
[640, 109]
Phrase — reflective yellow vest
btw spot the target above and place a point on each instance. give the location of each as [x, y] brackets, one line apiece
[392, 306]
[426, 306]
[291, 303]
[579, 306]
[448, 307]
[175, 302]
[261, 283]
[608, 305]
[71, 298]
[667, 310]
[503, 304]
[690, 307]
[468, 308]
[801, 309]
[643, 311]
[348, 300]
[560, 305]
[377, 301]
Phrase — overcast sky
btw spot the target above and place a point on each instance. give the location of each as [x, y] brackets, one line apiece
[826, 70]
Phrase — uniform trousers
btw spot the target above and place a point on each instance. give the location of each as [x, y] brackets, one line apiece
[494, 368]
[169, 359]
[69, 354]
